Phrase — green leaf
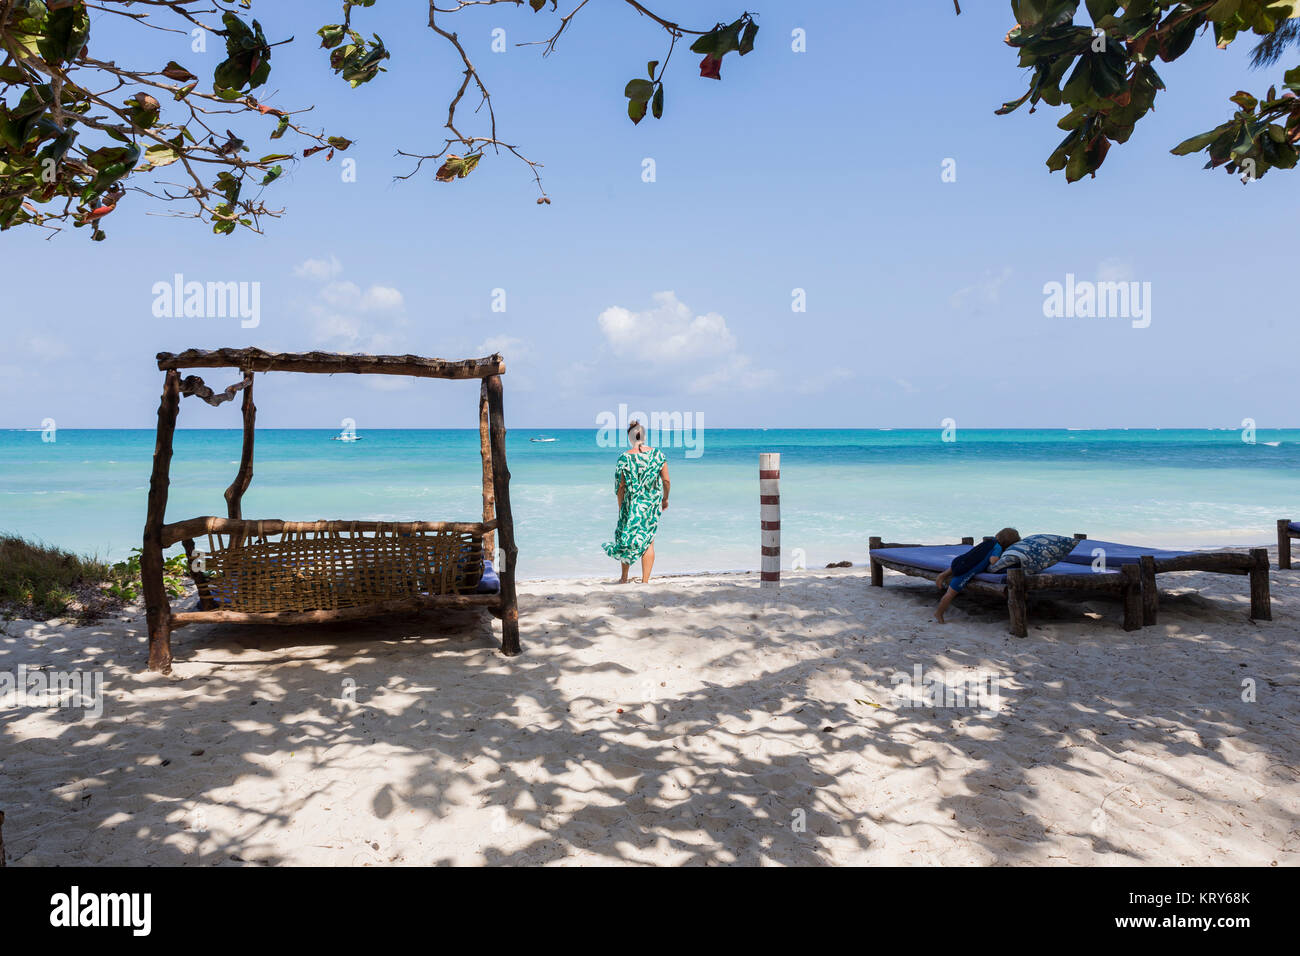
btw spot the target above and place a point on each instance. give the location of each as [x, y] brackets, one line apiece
[1197, 143]
[160, 155]
[174, 71]
[66, 31]
[650, 68]
[331, 35]
[1244, 100]
[657, 106]
[747, 38]
[639, 90]
[636, 110]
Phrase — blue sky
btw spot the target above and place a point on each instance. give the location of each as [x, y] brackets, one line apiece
[817, 170]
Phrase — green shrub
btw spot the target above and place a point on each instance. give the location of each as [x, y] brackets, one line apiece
[39, 581]
[124, 581]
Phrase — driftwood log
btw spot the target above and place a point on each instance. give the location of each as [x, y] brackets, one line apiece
[193, 385]
[256, 360]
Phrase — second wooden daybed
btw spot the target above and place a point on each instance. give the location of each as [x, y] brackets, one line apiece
[1129, 573]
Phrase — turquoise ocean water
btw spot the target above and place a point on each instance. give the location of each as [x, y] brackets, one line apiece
[86, 490]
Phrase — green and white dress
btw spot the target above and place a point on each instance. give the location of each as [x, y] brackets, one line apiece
[638, 519]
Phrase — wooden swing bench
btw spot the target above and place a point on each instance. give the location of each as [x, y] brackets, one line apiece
[300, 572]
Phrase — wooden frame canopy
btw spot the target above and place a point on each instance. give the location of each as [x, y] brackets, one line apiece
[328, 363]
[158, 535]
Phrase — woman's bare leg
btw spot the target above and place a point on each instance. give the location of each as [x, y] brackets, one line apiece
[647, 562]
[626, 568]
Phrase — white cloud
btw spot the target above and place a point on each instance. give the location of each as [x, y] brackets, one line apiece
[817, 384]
[347, 318]
[1115, 270]
[666, 333]
[507, 346]
[320, 270]
[985, 292]
[701, 350]
[43, 346]
[349, 296]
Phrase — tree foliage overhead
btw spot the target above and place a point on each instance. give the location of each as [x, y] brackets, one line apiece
[82, 127]
[1105, 73]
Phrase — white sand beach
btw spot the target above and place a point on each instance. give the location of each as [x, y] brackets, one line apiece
[696, 720]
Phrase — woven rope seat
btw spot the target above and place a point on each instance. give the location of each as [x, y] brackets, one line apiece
[327, 568]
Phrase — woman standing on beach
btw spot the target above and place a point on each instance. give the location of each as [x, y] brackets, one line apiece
[641, 483]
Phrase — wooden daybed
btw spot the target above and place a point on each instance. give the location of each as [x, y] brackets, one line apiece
[293, 572]
[1130, 575]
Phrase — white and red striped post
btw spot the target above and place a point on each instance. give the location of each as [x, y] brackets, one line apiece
[769, 496]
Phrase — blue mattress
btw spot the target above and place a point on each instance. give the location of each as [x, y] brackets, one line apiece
[1117, 555]
[1295, 526]
[939, 557]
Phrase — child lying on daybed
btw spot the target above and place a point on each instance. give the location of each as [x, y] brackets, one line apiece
[973, 562]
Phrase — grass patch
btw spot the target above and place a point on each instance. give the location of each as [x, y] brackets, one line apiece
[38, 581]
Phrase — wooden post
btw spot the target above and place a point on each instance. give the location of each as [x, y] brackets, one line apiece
[485, 449]
[2, 838]
[1284, 544]
[1080, 537]
[235, 493]
[1132, 594]
[1261, 605]
[157, 607]
[877, 569]
[505, 521]
[1150, 593]
[200, 579]
[968, 540]
[1017, 601]
[769, 498]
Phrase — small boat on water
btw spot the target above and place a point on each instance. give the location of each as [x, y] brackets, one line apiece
[345, 437]
[543, 438]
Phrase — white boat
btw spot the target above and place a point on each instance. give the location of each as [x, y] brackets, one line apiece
[345, 438]
[543, 438]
